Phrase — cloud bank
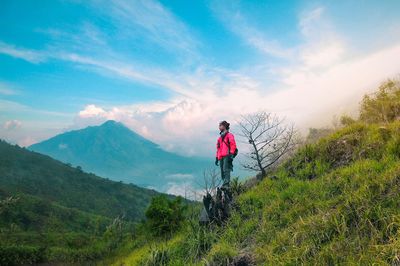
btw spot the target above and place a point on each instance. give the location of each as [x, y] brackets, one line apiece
[307, 82]
[320, 81]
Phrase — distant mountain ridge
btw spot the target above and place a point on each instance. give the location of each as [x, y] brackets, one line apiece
[112, 150]
[30, 173]
[50, 211]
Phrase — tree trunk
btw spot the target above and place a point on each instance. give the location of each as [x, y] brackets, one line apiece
[262, 174]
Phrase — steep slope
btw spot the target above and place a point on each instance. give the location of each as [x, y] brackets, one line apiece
[335, 202]
[50, 211]
[115, 151]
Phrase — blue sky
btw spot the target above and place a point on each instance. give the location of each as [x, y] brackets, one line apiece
[172, 69]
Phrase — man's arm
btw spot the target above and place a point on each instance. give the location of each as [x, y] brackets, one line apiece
[232, 143]
[216, 155]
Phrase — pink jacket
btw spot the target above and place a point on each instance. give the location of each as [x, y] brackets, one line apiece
[222, 145]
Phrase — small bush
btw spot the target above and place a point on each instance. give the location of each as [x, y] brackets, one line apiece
[16, 255]
[165, 216]
[384, 105]
[346, 120]
[222, 254]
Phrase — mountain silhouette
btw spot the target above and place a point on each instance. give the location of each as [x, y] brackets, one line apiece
[112, 150]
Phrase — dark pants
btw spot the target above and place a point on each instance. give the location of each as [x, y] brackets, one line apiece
[226, 168]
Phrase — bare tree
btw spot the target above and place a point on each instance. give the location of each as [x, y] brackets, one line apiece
[211, 181]
[270, 139]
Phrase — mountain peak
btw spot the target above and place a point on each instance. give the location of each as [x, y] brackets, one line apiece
[118, 127]
[111, 123]
[114, 150]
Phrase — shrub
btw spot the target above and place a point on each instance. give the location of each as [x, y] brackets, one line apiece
[165, 216]
[346, 120]
[16, 255]
[222, 254]
[384, 105]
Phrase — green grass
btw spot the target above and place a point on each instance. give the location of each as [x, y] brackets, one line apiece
[334, 202]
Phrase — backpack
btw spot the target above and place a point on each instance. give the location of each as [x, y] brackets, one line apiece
[235, 153]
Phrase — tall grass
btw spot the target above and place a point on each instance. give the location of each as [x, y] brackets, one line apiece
[334, 202]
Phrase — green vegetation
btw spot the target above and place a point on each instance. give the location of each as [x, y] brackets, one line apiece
[334, 202]
[50, 211]
[384, 105]
[165, 216]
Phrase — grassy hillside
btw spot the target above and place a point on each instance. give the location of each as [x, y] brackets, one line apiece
[51, 211]
[334, 202]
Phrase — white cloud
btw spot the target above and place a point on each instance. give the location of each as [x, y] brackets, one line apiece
[309, 19]
[31, 129]
[91, 110]
[12, 125]
[314, 96]
[316, 78]
[322, 46]
[131, 71]
[88, 48]
[307, 97]
[322, 54]
[185, 190]
[125, 69]
[22, 53]
[238, 24]
[153, 22]
[6, 89]
[11, 106]
[26, 141]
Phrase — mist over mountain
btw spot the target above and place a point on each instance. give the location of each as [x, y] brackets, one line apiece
[112, 150]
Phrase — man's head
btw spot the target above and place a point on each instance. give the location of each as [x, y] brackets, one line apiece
[223, 126]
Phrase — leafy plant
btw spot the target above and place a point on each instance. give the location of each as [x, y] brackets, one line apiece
[382, 106]
[164, 215]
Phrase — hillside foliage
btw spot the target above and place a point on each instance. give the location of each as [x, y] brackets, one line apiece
[50, 211]
[165, 216]
[383, 106]
[334, 202]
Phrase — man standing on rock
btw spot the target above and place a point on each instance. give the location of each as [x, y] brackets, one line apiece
[226, 151]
